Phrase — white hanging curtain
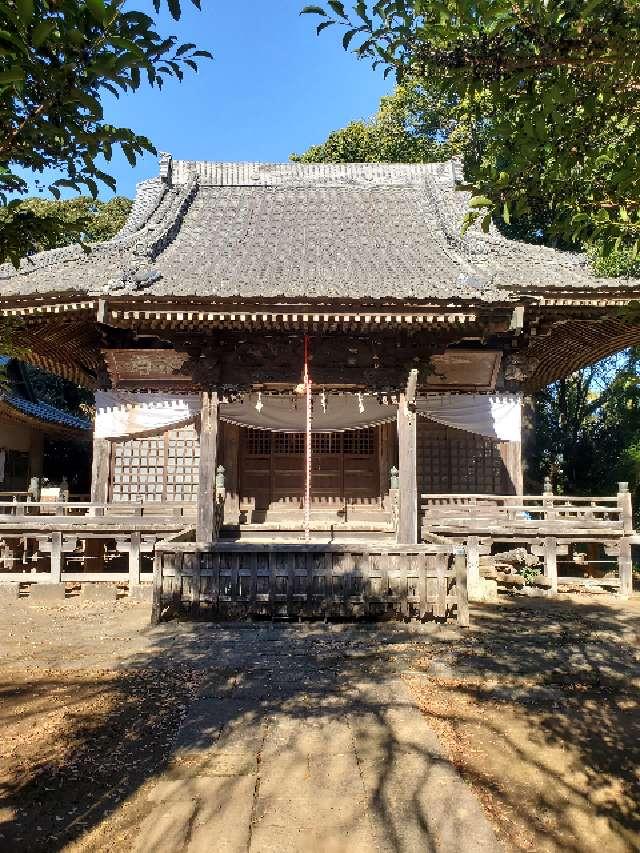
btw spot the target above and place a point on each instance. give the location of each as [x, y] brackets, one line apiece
[279, 414]
[497, 416]
[120, 414]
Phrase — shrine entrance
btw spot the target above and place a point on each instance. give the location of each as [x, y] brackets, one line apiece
[345, 469]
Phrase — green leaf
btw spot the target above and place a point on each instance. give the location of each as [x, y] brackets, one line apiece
[42, 31]
[313, 10]
[480, 201]
[486, 223]
[323, 26]
[590, 6]
[505, 213]
[174, 8]
[25, 10]
[346, 39]
[97, 9]
[12, 75]
[184, 48]
[338, 8]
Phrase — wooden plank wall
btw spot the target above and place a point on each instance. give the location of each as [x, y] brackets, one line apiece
[311, 582]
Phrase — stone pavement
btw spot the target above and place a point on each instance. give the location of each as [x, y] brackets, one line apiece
[304, 738]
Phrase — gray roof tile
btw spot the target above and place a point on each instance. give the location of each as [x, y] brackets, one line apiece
[294, 231]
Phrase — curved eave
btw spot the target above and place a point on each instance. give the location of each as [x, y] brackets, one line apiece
[58, 429]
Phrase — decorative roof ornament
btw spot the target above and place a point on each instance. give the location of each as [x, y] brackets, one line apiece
[165, 163]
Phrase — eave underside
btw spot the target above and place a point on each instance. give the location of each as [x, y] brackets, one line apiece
[551, 339]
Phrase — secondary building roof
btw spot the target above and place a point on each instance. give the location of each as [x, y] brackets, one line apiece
[299, 231]
[18, 402]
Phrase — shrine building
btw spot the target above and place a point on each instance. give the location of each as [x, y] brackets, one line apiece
[321, 345]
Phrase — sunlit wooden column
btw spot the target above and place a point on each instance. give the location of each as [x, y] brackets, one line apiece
[100, 467]
[205, 524]
[408, 484]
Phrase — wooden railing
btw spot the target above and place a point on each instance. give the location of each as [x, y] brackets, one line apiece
[236, 580]
[547, 525]
[138, 509]
[506, 513]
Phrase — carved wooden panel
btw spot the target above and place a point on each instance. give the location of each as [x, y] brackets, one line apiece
[138, 367]
[464, 369]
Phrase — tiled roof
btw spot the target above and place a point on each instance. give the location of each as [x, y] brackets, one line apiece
[46, 413]
[15, 392]
[291, 231]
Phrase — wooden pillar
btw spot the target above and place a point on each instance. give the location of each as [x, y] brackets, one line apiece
[473, 568]
[625, 567]
[205, 526]
[100, 468]
[550, 563]
[625, 563]
[134, 560]
[230, 450]
[511, 455]
[408, 520]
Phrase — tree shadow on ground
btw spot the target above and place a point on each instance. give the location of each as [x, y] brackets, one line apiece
[546, 692]
[317, 711]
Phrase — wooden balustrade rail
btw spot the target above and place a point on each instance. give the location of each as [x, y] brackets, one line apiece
[87, 508]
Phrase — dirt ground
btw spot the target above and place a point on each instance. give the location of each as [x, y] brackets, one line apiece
[536, 706]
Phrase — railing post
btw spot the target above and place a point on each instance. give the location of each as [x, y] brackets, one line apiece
[56, 557]
[550, 563]
[394, 496]
[440, 605]
[625, 562]
[462, 589]
[626, 508]
[625, 567]
[134, 560]
[547, 500]
[473, 567]
[156, 606]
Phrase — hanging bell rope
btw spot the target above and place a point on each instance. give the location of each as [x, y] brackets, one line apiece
[307, 500]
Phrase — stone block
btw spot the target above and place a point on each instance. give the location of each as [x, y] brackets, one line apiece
[9, 591]
[46, 593]
[541, 582]
[166, 830]
[101, 591]
[141, 592]
[485, 591]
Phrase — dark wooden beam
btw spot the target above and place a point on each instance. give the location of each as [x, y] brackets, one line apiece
[205, 524]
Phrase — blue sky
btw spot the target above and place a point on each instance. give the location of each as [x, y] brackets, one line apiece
[273, 88]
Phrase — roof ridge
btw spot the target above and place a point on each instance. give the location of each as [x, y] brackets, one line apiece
[253, 174]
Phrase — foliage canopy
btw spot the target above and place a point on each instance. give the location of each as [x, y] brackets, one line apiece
[412, 125]
[58, 58]
[587, 429]
[549, 90]
[48, 224]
